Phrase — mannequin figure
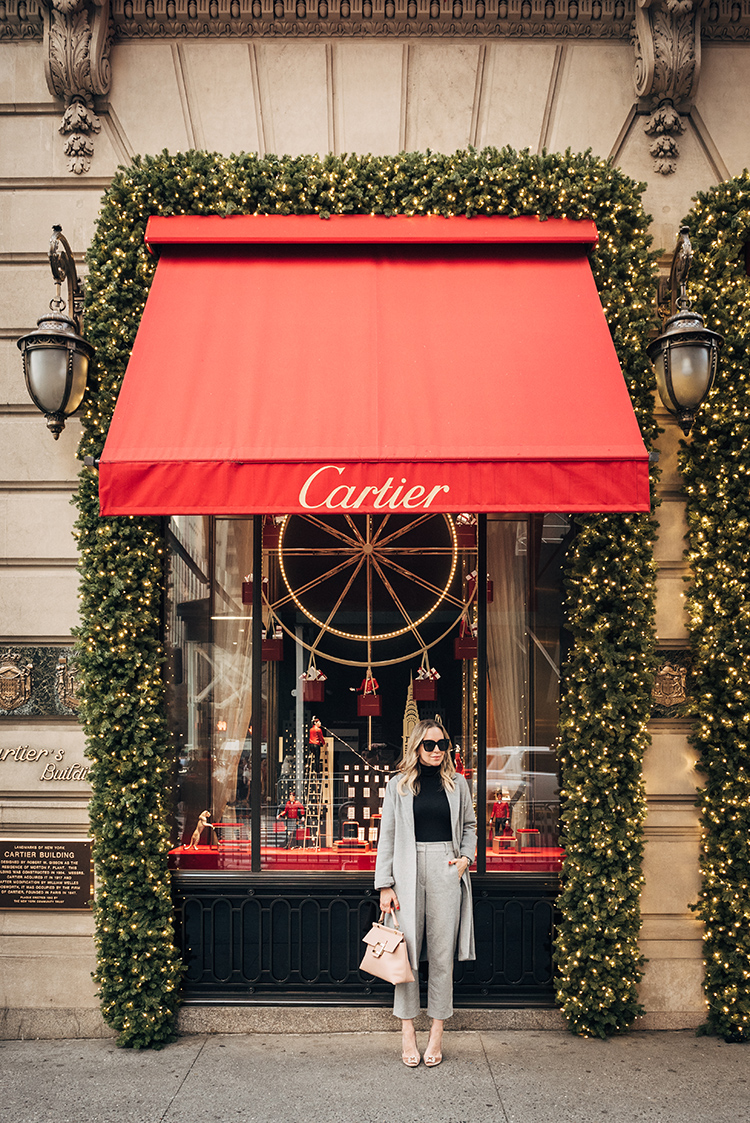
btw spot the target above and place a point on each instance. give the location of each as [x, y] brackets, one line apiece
[500, 816]
[316, 735]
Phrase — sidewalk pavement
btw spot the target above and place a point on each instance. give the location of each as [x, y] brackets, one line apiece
[510, 1076]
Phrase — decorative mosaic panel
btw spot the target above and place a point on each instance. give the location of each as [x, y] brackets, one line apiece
[37, 681]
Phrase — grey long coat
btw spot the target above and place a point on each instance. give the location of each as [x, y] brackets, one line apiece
[396, 863]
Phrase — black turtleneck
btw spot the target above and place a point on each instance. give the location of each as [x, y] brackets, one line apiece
[432, 813]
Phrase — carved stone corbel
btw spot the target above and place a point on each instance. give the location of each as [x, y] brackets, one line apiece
[667, 68]
[77, 40]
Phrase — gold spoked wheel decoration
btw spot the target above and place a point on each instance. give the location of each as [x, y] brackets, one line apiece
[363, 580]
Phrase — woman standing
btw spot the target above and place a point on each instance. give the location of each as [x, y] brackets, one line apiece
[427, 842]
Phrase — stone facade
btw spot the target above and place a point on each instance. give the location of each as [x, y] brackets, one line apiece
[244, 76]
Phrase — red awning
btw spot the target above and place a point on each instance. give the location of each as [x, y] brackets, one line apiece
[289, 363]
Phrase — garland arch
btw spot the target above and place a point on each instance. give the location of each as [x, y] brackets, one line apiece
[605, 703]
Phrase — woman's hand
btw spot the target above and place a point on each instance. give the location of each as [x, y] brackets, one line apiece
[388, 900]
[462, 864]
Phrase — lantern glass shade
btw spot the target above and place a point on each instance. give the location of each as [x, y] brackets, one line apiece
[690, 369]
[48, 371]
[685, 359]
[56, 364]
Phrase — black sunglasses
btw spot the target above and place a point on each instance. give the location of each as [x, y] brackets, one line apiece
[430, 746]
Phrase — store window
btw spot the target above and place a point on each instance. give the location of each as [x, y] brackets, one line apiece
[368, 623]
[525, 647]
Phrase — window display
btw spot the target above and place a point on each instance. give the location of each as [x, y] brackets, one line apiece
[368, 623]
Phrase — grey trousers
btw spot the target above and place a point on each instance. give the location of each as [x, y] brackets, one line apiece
[437, 917]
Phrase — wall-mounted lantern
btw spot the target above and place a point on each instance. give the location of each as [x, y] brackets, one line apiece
[686, 355]
[55, 355]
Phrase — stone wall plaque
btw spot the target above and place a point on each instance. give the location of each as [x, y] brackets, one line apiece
[43, 758]
[46, 875]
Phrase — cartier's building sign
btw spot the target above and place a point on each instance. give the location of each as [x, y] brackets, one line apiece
[43, 758]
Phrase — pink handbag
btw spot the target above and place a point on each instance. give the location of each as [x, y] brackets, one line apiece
[386, 956]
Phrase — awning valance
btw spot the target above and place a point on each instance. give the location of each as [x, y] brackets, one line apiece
[362, 363]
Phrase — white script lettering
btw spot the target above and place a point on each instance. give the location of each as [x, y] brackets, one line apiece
[349, 497]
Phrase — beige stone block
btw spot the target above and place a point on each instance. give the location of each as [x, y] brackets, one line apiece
[12, 384]
[49, 971]
[38, 602]
[26, 221]
[671, 542]
[352, 1019]
[29, 454]
[669, 765]
[671, 985]
[367, 93]
[22, 74]
[671, 623]
[31, 146]
[723, 101]
[667, 198]
[514, 93]
[40, 922]
[21, 516]
[43, 758]
[53, 1024]
[669, 444]
[683, 932]
[670, 867]
[147, 97]
[45, 817]
[595, 95]
[293, 80]
[672, 818]
[27, 290]
[441, 88]
[220, 94]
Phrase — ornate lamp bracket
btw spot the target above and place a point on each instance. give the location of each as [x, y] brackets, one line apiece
[77, 38]
[667, 67]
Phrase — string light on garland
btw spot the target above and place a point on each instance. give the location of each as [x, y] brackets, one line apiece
[716, 470]
[606, 697]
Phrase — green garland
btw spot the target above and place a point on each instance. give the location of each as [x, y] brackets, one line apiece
[611, 599]
[716, 474]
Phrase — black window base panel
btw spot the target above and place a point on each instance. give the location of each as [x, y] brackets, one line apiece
[253, 939]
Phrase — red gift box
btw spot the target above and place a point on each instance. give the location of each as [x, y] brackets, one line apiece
[466, 536]
[313, 690]
[465, 643]
[271, 535]
[424, 690]
[273, 650]
[471, 584]
[465, 647]
[369, 705]
[247, 589]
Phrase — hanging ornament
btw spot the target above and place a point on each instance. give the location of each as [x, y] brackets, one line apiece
[466, 531]
[313, 683]
[247, 588]
[471, 587]
[273, 642]
[424, 686]
[271, 531]
[369, 702]
[465, 643]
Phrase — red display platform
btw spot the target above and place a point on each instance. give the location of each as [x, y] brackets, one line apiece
[237, 857]
[546, 859]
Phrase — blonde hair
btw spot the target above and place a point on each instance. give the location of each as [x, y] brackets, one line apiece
[409, 764]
